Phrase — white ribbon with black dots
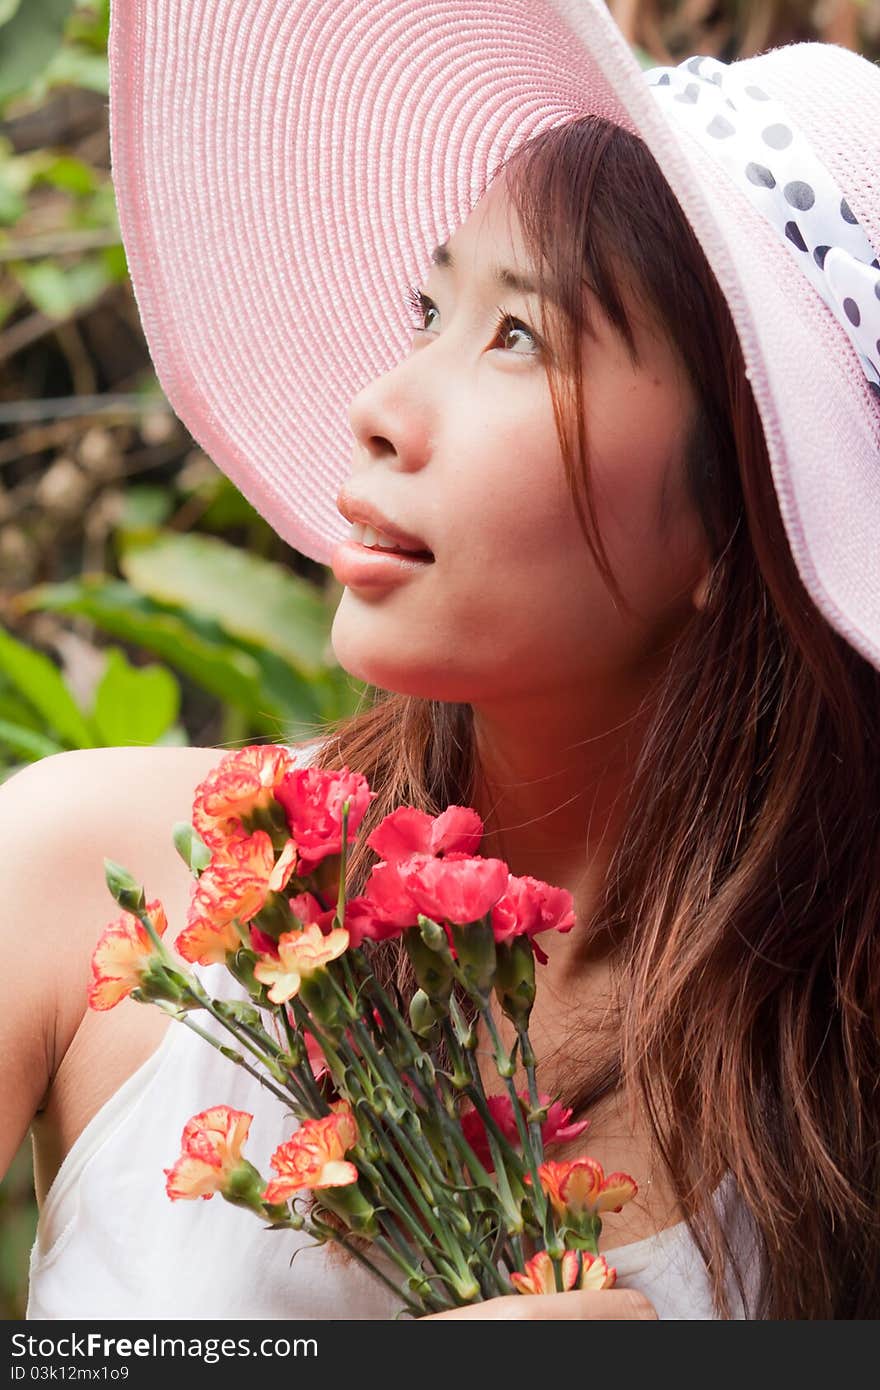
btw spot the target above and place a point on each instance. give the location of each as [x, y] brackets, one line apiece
[772, 161]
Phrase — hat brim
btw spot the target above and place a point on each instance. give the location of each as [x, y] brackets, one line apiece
[282, 171]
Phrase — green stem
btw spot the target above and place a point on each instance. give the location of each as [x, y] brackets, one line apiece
[334, 1061]
[528, 1057]
[303, 1072]
[452, 1136]
[385, 1185]
[238, 1059]
[238, 1031]
[315, 1227]
[542, 1206]
[449, 1246]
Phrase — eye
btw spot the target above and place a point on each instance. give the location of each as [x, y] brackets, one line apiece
[505, 323]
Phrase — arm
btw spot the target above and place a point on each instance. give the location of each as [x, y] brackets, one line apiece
[58, 819]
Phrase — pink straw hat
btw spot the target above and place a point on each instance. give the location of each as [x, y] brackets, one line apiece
[283, 165]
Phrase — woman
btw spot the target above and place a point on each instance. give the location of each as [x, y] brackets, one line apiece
[656, 685]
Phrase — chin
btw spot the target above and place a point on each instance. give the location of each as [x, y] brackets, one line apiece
[365, 660]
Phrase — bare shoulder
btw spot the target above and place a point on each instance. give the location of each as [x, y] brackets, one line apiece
[59, 819]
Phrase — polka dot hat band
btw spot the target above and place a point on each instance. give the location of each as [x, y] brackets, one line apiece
[283, 169]
[759, 146]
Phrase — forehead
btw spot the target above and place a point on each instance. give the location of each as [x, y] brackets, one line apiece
[491, 233]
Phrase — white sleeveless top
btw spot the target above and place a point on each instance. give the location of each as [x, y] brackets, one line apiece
[111, 1244]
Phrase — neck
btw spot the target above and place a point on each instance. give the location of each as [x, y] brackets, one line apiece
[552, 787]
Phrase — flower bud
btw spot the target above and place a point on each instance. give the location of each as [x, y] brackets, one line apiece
[191, 847]
[123, 886]
[239, 1012]
[433, 973]
[240, 965]
[423, 1016]
[433, 935]
[475, 950]
[515, 979]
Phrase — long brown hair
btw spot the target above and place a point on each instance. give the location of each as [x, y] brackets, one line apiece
[741, 902]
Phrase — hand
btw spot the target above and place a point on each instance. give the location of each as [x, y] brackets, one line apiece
[578, 1303]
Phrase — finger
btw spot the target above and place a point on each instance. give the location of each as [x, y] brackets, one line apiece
[579, 1303]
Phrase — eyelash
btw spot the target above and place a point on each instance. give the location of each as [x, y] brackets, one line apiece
[419, 303]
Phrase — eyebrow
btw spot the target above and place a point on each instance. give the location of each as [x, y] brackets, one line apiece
[501, 275]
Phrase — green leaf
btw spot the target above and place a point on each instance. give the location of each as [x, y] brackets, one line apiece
[7, 304]
[12, 204]
[69, 174]
[25, 743]
[31, 35]
[115, 263]
[17, 710]
[145, 505]
[40, 681]
[227, 508]
[251, 598]
[174, 737]
[91, 25]
[134, 705]
[190, 846]
[7, 10]
[59, 291]
[260, 684]
[75, 66]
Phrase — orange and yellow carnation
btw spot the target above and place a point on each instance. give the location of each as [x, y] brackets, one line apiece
[122, 956]
[539, 1277]
[230, 889]
[315, 1156]
[243, 782]
[580, 1188]
[300, 953]
[202, 941]
[210, 1153]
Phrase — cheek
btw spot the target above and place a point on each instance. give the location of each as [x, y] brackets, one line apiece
[644, 515]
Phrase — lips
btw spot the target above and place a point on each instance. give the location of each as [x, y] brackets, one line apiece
[374, 541]
[362, 512]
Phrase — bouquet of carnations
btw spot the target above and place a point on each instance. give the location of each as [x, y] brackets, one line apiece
[397, 1148]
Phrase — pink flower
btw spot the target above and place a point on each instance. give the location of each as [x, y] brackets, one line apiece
[123, 954]
[313, 798]
[539, 1276]
[408, 831]
[317, 1060]
[263, 943]
[529, 906]
[211, 1152]
[554, 1130]
[457, 888]
[366, 920]
[306, 907]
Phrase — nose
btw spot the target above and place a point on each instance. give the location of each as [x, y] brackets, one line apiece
[392, 421]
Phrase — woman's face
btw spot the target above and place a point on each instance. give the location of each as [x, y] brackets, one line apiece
[457, 444]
